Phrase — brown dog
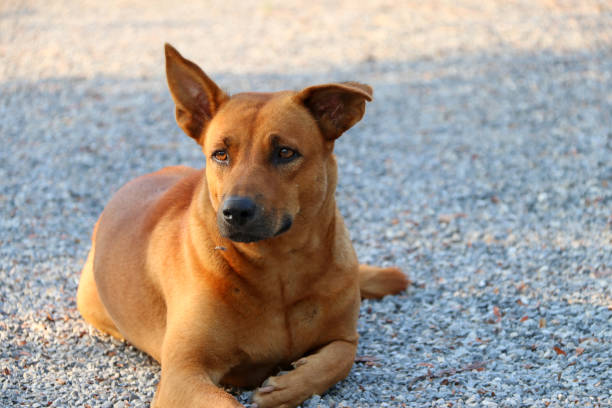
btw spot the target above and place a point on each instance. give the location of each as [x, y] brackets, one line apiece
[229, 274]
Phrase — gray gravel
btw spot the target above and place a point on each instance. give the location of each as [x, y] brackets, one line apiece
[483, 168]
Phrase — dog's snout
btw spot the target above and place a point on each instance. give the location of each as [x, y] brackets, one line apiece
[239, 210]
[241, 219]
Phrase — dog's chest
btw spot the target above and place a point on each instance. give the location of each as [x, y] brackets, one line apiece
[281, 336]
[297, 327]
[292, 312]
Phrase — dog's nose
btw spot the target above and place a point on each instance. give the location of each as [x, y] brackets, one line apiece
[238, 210]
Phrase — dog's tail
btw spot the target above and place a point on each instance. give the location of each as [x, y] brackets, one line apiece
[376, 282]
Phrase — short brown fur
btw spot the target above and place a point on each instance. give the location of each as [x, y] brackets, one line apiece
[165, 273]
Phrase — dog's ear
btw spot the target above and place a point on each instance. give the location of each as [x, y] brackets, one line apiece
[196, 96]
[336, 107]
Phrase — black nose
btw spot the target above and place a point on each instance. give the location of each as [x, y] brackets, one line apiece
[238, 210]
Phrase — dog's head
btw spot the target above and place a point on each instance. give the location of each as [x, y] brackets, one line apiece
[269, 160]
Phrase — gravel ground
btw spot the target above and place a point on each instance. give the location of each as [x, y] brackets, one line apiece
[483, 168]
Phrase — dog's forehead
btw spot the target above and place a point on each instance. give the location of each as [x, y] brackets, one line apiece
[256, 114]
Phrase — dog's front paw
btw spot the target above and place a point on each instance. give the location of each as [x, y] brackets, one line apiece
[193, 394]
[282, 391]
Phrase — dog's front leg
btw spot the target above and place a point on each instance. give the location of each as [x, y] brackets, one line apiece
[311, 375]
[187, 379]
[190, 389]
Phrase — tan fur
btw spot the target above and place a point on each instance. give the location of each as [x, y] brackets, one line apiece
[211, 310]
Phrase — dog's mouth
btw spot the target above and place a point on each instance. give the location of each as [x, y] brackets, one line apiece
[243, 237]
[285, 226]
[257, 230]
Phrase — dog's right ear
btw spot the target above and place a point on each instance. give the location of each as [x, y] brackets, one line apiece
[196, 96]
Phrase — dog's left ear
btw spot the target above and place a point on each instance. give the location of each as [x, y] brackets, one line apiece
[336, 107]
[196, 96]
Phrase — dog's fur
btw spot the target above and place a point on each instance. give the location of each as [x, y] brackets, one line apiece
[232, 273]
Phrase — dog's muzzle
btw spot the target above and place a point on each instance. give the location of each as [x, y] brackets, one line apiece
[242, 220]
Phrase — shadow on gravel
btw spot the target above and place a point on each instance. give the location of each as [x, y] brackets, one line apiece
[464, 341]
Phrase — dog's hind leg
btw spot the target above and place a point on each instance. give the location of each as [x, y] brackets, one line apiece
[376, 282]
[88, 301]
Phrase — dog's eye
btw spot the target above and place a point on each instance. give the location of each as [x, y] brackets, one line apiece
[221, 156]
[284, 153]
